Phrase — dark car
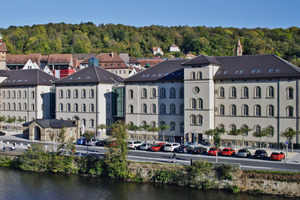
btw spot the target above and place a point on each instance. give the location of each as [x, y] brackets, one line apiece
[81, 141]
[2, 133]
[260, 153]
[101, 143]
[199, 150]
[243, 153]
[184, 149]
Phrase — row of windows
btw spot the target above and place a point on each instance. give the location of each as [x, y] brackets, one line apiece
[162, 93]
[83, 108]
[75, 94]
[18, 106]
[257, 93]
[196, 104]
[172, 125]
[193, 75]
[162, 109]
[17, 94]
[256, 129]
[270, 110]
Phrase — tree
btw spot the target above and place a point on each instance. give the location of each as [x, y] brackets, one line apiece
[10, 120]
[145, 127]
[289, 135]
[88, 135]
[52, 137]
[2, 119]
[259, 134]
[235, 132]
[102, 127]
[61, 139]
[153, 129]
[244, 131]
[216, 134]
[163, 128]
[135, 129]
[268, 132]
[115, 157]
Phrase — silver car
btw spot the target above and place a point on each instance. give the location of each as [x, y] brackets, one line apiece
[145, 146]
[243, 153]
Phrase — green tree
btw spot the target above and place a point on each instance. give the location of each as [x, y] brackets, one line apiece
[259, 134]
[10, 120]
[88, 135]
[135, 128]
[289, 135]
[115, 156]
[268, 132]
[244, 131]
[216, 134]
[235, 132]
[61, 138]
[2, 119]
[163, 128]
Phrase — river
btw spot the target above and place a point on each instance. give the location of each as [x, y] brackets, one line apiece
[20, 185]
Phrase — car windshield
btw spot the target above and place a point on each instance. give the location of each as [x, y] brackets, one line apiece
[242, 150]
[212, 149]
[157, 145]
[275, 153]
[259, 151]
[168, 145]
[225, 149]
[143, 144]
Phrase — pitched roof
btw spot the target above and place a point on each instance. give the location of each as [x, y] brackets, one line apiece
[133, 60]
[124, 57]
[83, 56]
[255, 66]
[150, 61]
[52, 123]
[91, 75]
[60, 58]
[22, 59]
[168, 70]
[3, 47]
[173, 45]
[28, 77]
[202, 60]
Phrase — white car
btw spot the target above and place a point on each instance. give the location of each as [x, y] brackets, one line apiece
[134, 144]
[93, 142]
[171, 146]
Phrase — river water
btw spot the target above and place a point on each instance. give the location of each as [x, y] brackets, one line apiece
[22, 186]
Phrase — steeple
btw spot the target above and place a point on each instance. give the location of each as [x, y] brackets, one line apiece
[0, 39]
[239, 48]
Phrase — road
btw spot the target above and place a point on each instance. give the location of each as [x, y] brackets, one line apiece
[185, 159]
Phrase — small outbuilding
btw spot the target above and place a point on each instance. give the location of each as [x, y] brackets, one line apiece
[43, 129]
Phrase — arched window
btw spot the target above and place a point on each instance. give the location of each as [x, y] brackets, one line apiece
[290, 111]
[232, 127]
[193, 103]
[32, 107]
[19, 94]
[181, 127]
[144, 93]
[61, 107]
[181, 109]
[84, 122]
[83, 108]
[270, 111]
[25, 106]
[257, 129]
[8, 94]
[290, 93]
[162, 93]
[153, 124]
[270, 92]
[257, 110]
[193, 119]
[68, 95]
[130, 94]
[91, 93]
[245, 110]
[68, 107]
[32, 95]
[92, 108]
[162, 123]
[153, 93]
[181, 93]
[222, 110]
[61, 94]
[172, 93]
[172, 126]
[199, 75]
[14, 94]
[144, 108]
[221, 92]
[245, 92]
[200, 120]
[172, 109]
[233, 92]
[200, 103]
[8, 106]
[257, 92]
[162, 109]
[193, 75]
[143, 123]
[270, 131]
[76, 94]
[153, 109]
[245, 127]
[24, 94]
[92, 124]
[76, 107]
[233, 110]
[14, 106]
[130, 108]
[221, 126]
[83, 94]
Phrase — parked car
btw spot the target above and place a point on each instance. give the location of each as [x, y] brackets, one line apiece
[213, 151]
[200, 150]
[2, 133]
[260, 153]
[157, 147]
[243, 153]
[228, 152]
[134, 144]
[101, 143]
[93, 141]
[171, 146]
[145, 146]
[81, 141]
[184, 149]
[277, 155]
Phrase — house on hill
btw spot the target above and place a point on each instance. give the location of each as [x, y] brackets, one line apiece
[157, 51]
[174, 48]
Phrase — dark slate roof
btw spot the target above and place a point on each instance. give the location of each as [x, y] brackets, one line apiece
[28, 77]
[202, 60]
[52, 123]
[4, 73]
[255, 66]
[91, 75]
[167, 70]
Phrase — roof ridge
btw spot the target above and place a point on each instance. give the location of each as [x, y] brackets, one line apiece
[288, 63]
[96, 73]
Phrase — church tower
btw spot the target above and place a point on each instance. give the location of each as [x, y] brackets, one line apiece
[3, 50]
[239, 49]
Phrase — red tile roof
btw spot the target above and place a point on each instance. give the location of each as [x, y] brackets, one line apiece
[150, 61]
[3, 47]
[60, 58]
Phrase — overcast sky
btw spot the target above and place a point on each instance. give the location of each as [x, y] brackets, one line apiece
[209, 13]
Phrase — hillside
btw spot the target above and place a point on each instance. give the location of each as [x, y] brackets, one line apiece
[138, 41]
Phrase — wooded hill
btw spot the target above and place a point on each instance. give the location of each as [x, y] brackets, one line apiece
[138, 41]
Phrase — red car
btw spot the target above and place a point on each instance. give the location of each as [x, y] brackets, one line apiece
[277, 156]
[213, 151]
[157, 147]
[228, 152]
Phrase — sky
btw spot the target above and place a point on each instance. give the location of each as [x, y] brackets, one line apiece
[209, 13]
